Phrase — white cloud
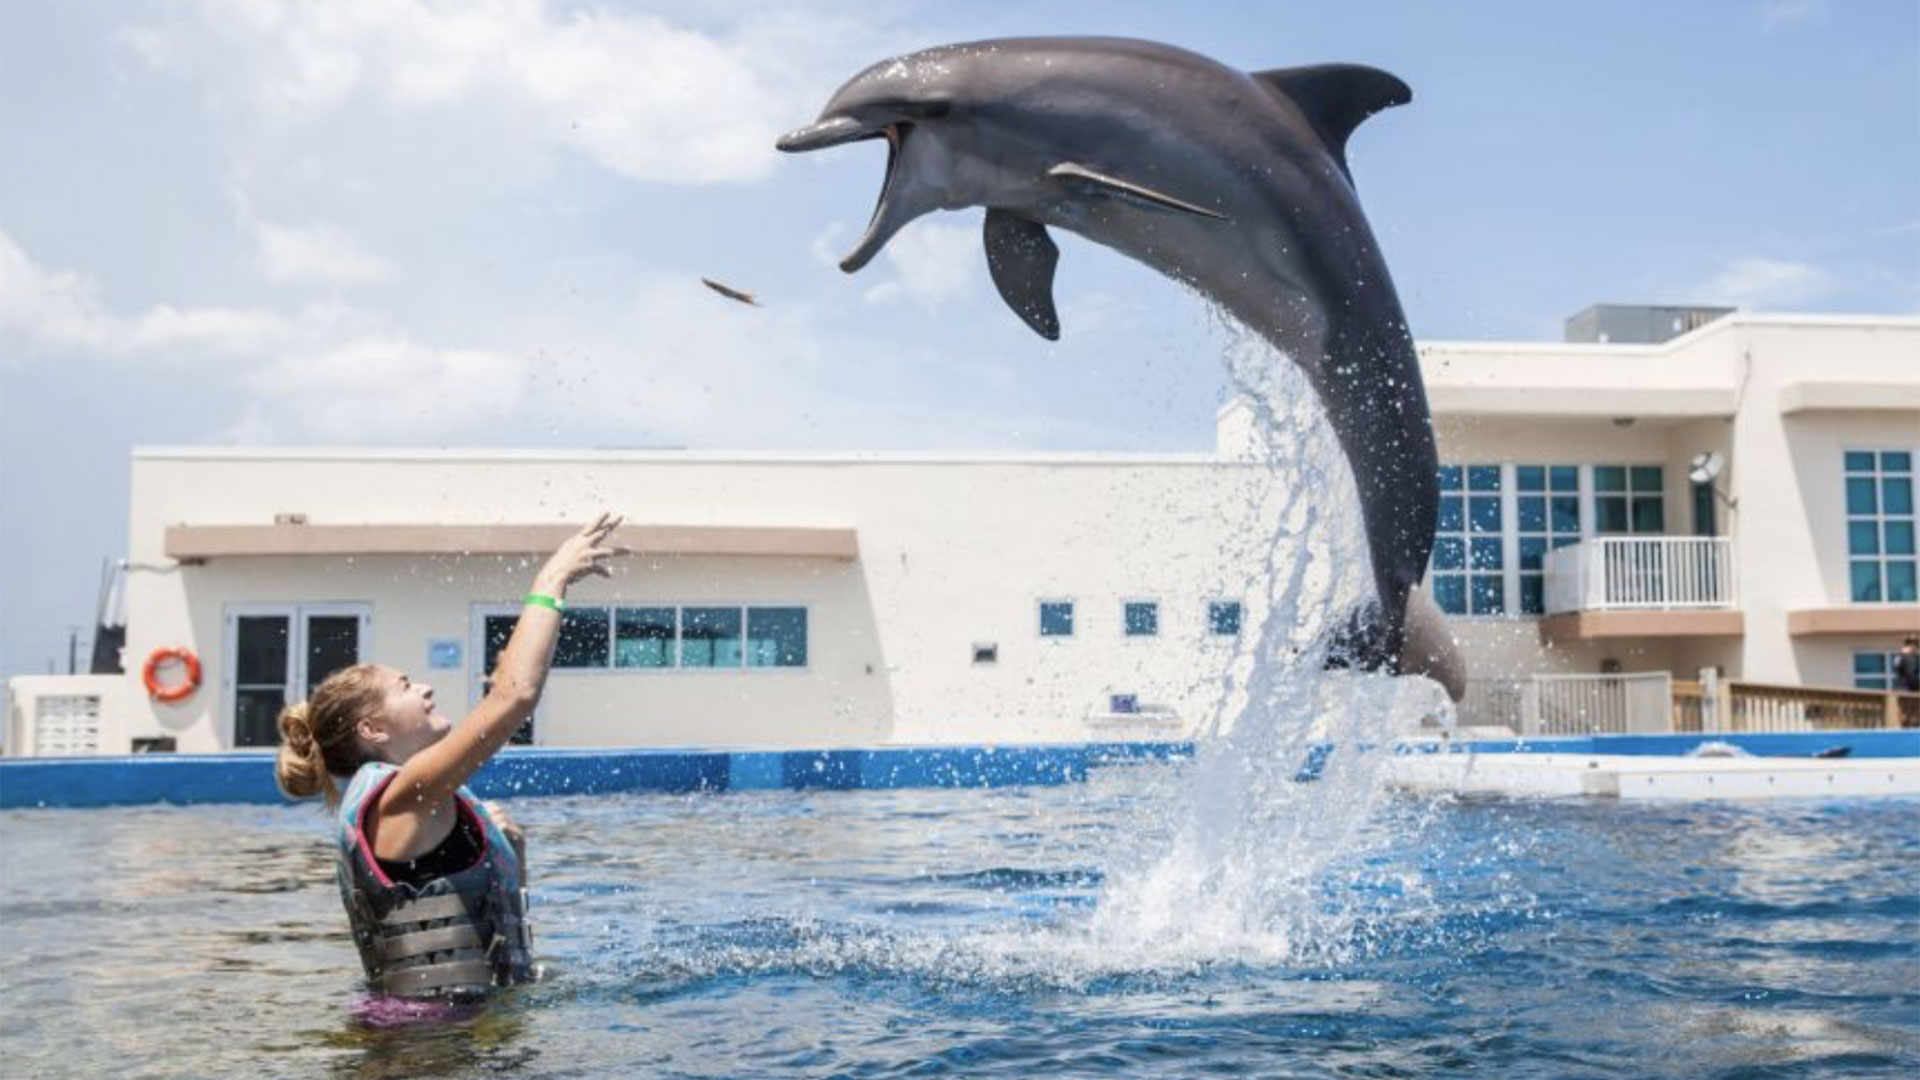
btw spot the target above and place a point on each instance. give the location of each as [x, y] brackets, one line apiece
[379, 390]
[317, 253]
[1779, 14]
[59, 308]
[1769, 283]
[932, 265]
[632, 92]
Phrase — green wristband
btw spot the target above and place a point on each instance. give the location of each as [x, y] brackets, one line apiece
[537, 599]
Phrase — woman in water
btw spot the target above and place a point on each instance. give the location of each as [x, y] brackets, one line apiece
[430, 876]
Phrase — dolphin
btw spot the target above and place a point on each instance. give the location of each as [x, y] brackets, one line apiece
[1233, 183]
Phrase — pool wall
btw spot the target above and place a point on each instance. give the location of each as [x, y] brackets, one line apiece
[247, 777]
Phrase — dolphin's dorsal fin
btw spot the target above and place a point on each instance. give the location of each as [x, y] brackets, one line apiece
[1078, 175]
[1336, 97]
[1021, 257]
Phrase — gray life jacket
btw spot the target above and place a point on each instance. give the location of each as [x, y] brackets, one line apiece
[454, 937]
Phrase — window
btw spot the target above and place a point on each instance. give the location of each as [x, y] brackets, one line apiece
[776, 637]
[1141, 618]
[1468, 559]
[1223, 618]
[1056, 618]
[986, 652]
[1880, 526]
[584, 638]
[645, 637]
[495, 630]
[1873, 669]
[710, 637]
[1547, 516]
[1629, 499]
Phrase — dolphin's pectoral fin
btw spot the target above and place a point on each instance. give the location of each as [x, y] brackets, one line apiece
[1021, 257]
[1336, 98]
[1096, 183]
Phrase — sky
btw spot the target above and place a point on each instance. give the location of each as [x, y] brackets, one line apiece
[484, 223]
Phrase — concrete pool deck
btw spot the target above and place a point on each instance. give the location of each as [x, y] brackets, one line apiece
[1641, 776]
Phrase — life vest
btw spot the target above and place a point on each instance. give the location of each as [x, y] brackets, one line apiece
[455, 936]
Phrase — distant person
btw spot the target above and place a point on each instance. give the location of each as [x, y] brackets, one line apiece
[430, 876]
[1906, 666]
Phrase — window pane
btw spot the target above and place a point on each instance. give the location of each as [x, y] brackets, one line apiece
[1483, 478]
[1449, 553]
[1449, 478]
[1566, 514]
[1530, 477]
[1649, 515]
[1224, 618]
[1450, 593]
[1900, 581]
[1486, 554]
[1609, 478]
[256, 715]
[1866, 582]
[333, 642]
[1896, 461]
[1489, 595]
[777, 637]
[1452, 517]
[1565, 478]
[260, 643]
[583, 638]
[710, 637]
[1532, 594]
[1610, 514]
[494, 634]
[1896, 495]
[1533, 551]
[1056, 619]
[1485, 511]
[1646, 478]
[1859, 461]
[1869, 663]
[643, 637]
[1142, 618]
[1532, 510]
[1863, 538]
[1860, 498]
[1899, 536]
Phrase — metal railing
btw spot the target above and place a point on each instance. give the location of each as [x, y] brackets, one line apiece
[1747, 706]
[1636, 703]
[1611, 573]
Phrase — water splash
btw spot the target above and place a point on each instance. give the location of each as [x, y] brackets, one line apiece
[1255, 863]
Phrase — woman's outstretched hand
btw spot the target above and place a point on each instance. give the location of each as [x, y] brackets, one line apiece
[585, 552]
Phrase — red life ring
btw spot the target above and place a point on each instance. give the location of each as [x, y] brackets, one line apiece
[180, 691]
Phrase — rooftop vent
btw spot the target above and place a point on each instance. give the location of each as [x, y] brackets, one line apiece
[1638, 324]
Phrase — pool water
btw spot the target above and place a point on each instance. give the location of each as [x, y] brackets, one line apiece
[973, 933]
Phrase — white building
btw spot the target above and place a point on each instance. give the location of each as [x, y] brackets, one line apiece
[825, 600]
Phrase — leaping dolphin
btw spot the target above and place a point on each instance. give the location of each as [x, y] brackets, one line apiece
[1233, 183]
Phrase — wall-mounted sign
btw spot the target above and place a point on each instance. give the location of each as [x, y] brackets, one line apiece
[443, 653]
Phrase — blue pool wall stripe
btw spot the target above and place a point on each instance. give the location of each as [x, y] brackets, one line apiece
[247, 776]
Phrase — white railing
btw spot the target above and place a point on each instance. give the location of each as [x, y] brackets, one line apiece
[1640, 572]
[1636, 703]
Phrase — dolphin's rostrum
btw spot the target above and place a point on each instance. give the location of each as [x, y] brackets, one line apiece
[1233, 183]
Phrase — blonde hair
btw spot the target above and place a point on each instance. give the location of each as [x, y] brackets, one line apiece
[317, 736]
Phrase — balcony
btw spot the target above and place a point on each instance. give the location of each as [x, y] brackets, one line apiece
[1641, 586]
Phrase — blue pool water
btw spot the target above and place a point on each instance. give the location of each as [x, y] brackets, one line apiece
[1004, 933]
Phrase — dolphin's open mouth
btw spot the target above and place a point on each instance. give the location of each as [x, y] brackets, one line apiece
[837, 132]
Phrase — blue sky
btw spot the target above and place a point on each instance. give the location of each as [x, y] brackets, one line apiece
[483, 223]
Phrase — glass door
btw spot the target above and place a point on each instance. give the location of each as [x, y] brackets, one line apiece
[278, 653]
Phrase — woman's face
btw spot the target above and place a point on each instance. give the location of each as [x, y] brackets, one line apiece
[408, 723]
